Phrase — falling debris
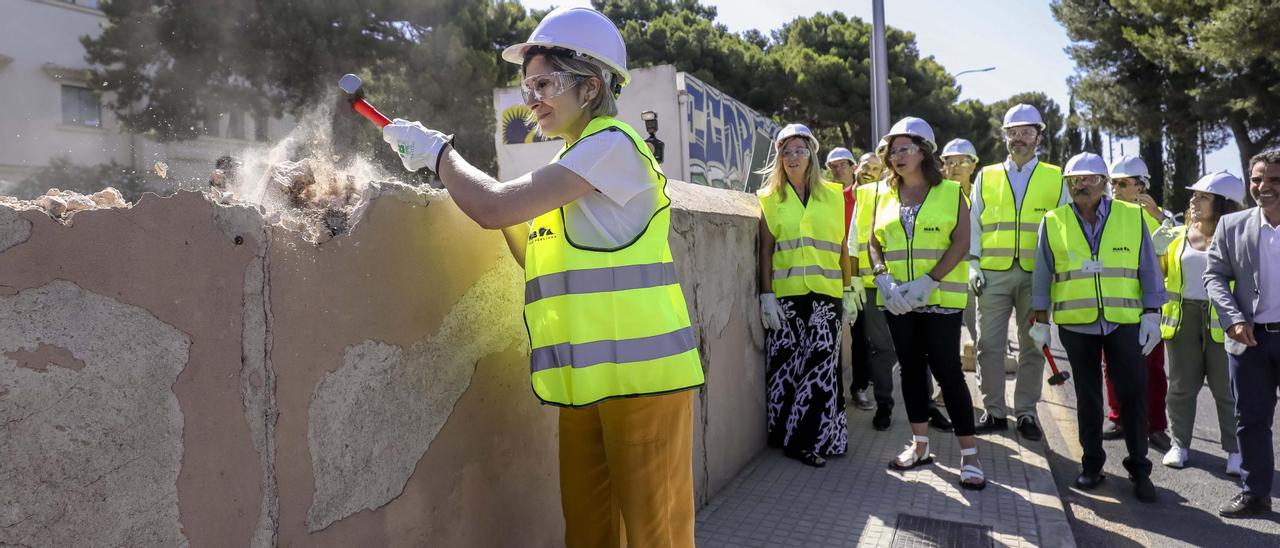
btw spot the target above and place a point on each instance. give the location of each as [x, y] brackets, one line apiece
[161, 169]
[61, 204]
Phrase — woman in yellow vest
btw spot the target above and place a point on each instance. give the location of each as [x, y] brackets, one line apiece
[1190, 323]
[610, 338]
[919, 241]
[804, 273]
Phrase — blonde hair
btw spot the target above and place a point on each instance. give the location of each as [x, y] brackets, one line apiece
[776, 175]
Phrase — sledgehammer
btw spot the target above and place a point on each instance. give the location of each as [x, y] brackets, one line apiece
[1058, 378]
[354, 89]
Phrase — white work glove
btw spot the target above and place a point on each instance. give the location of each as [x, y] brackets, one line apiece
[892, 297]
[1149, 332]
[770, 312]
[977, 280]
[1163, 236]
[417, 146]
[1040, 334]
[851, 303]
[860, 291]
[917, 291]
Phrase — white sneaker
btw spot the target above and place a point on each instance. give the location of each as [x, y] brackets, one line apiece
[1176, 457]
[1233, 464]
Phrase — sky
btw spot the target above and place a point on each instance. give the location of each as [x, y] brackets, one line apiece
[1018, 37]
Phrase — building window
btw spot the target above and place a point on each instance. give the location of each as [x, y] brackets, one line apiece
[260, 126]
[80, 107]
[235, 125]
[212, 124]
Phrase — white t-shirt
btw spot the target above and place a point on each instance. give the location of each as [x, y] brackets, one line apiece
[1194, 263]
[626, 191]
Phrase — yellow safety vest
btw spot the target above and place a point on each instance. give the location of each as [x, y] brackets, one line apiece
[1171, 313]
[1112, 286]
[806, 240]
[607, 323]
[1009, 232]
[909, 257]
[867, 199]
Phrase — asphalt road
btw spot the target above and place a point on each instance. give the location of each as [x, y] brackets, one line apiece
[1186, 513]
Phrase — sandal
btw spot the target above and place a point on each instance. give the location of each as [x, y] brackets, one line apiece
[969, 472]
[808, 457]
[909, 458]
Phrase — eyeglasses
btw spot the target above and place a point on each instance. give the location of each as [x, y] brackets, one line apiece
[541, 87]
[1020, 132]
[904, 150]
[1085, 180]
[959, 162]
[796, 153]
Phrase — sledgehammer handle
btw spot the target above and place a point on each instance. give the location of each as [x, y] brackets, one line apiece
[367, 110]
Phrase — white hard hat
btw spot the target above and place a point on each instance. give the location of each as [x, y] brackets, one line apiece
[912, 127]
[584, 31]
[840, 153]
[1130, 166]
[1222, 184]
[793, 130]
[960, 147]
[1023, 114]
[1085, 163]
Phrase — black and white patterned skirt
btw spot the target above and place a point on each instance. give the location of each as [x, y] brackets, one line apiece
[805, 400]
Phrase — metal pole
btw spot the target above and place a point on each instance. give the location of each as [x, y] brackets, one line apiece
[879, 75]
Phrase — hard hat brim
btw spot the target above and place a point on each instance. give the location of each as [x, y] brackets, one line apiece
[515, 54]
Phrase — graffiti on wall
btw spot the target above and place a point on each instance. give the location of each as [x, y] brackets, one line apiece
[728, 142]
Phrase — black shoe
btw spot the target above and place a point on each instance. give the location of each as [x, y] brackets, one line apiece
[940, 421]
[1160, 440]
[1089, 480]
[1028, 428]
[1112, 431]
[990, 424]
[1144, 489]
[1245, 505]
[881, 420]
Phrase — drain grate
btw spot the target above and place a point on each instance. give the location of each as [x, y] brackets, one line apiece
[920, 532]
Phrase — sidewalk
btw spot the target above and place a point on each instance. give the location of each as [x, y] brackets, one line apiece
[857, 501]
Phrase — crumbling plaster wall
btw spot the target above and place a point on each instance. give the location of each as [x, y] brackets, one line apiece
[183, 373]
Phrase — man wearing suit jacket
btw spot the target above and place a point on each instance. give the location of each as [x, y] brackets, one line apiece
[1246, 250]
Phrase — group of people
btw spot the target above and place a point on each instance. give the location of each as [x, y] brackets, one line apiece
[922, 252]
[612, 345]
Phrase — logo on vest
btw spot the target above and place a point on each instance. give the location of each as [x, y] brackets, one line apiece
[1121, 249]
[542, 233]
[933, 229]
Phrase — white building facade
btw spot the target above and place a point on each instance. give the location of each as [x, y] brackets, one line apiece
[51, 109]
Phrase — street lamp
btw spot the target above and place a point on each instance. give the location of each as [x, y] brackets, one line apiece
[963, 72]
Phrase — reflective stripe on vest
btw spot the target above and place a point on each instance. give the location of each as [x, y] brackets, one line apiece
[1078, 296]
[908, 258]
[869, 197]
[1008, 231]
[607, 323]
[807, 240]
[1171, 312]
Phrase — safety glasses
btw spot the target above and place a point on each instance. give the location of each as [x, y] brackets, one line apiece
[1020, 132]
[796, 153]
[959, 162]
[904, 150]
[1085, 180]
[541, 87]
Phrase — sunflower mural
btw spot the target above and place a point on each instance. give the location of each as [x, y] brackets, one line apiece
[518, 126]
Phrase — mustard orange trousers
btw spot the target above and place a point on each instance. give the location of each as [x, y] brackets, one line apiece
[626, 472]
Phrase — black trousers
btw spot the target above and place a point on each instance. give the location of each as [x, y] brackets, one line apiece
[859, 360]
[1128, 374]
[926, 343]
[1255, 375]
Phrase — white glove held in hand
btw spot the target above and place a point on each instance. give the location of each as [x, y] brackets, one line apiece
[417, 146]
[1040, 334]
[889, 293]
[917, 291]
[1163, 236]
[852, 304]
[977, 280]
[1149, 332]
[770, 312]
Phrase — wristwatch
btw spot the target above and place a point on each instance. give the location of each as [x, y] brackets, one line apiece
[880, 269]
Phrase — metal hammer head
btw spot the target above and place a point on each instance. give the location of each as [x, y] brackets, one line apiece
[351, 84]
[1060, 378]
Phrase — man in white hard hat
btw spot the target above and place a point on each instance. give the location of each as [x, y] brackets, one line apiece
[870, 169]
[959, 161]
[1243, 282]
[1098, 273]
[1130, 180]
[1009, 200]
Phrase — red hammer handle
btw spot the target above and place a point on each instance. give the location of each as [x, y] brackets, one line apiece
[367, 110]
[1049, 356]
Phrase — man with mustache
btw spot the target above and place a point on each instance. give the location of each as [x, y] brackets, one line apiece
[1246, 251]
[1009, 200]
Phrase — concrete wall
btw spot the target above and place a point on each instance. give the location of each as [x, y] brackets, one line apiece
[182, 373]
